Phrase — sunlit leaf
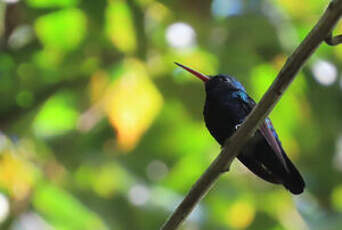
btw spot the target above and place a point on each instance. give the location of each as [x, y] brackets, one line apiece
[64, 29]
[52, 3]
[57, 116]
[303, 9]
[16, 175]
[119, 26]
[63, 210]
[132, 104]
[336, 198]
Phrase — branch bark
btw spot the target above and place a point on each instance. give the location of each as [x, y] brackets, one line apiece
[233, 145]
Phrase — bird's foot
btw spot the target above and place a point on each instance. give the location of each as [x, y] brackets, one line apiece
[238, 125]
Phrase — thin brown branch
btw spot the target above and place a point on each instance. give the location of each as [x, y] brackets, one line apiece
[333, 40]
[233, 145]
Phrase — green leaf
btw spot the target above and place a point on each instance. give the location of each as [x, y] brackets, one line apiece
[57, 116]
[64, 211]
[51, 3]
[120, 29]
[63, 29]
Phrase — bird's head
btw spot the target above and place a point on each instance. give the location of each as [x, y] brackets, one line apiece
[217, 82]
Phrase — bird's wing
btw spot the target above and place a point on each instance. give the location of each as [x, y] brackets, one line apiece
[266, 128]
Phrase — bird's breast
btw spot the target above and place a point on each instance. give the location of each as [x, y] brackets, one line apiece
[219, 119]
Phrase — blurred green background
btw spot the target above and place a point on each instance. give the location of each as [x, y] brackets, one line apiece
[100, 130]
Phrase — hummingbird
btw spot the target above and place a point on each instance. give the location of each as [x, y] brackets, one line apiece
[226, 106]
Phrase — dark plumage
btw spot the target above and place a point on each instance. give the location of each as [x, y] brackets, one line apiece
[227, 105]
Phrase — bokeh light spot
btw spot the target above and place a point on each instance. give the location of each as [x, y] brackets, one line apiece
[21, 36]
[139, 195]
[31, 221]
[156, 170]
[324, 72]
[240, 215]
[180, 35]
[11, 1]
[4, 207]
[224, 8]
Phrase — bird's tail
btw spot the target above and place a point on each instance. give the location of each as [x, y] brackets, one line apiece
[293, 181]
[270, 168]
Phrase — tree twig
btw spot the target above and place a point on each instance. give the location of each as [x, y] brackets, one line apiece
[233, 145]
[333, 40]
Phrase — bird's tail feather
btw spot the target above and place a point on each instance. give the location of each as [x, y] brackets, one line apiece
[274, 171]
[293, 181]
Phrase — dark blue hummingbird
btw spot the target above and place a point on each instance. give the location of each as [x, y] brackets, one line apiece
[227, 105]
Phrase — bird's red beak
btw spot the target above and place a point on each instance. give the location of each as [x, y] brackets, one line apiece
[194, 72]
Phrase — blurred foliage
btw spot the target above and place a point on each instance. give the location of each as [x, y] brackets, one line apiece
[100, 130]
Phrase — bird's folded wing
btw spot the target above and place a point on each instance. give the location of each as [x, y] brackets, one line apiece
[267, 130]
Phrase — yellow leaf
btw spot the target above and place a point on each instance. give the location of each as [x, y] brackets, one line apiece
[132, 103]
[15, 175]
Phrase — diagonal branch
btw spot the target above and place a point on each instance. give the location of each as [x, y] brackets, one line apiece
[233, 145]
